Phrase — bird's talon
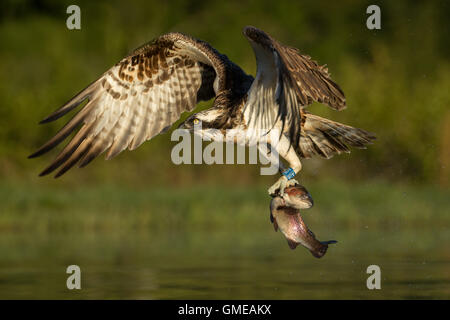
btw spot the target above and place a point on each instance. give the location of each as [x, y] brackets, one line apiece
[282, 183]
[278, 187]
[291, 183]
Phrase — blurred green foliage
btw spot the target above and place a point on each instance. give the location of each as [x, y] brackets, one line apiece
[396, 79]
[113, 209]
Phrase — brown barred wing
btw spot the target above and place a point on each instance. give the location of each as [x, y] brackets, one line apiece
[138, 98]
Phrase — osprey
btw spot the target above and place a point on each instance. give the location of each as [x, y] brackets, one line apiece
[147, 91]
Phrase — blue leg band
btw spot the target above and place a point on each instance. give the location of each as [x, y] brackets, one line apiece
[289, 173]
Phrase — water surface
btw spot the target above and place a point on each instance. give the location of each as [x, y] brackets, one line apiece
[224, 264]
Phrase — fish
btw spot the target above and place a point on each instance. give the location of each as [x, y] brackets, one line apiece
[285, 215]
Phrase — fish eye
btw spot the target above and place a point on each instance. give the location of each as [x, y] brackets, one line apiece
[196, 121]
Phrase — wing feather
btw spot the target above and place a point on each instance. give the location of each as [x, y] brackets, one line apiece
[82, 149]
[73, 103]
[285, 82]
[311, 80]
[138, 98]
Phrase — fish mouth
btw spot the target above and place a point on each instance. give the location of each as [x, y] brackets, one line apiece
[298, 197]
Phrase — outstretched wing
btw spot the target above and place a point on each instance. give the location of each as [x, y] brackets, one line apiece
[285, 81]
[311, 81]
[138, 98]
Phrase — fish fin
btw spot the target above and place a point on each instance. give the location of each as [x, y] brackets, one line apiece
[320, 252]
[328, 242]
[275, 225]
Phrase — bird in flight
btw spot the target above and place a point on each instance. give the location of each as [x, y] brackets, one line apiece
[145, 93]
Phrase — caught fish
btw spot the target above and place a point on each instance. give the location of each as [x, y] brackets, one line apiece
[285, 215]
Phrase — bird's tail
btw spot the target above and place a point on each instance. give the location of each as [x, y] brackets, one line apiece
[326, 138]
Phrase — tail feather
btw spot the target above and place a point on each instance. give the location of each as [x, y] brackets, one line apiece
[326, 138]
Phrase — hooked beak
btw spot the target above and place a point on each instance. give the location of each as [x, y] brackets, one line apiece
[183, 125]
[187, 125]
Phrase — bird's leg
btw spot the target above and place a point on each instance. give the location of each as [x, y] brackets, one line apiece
[271, 157]
[286, 180]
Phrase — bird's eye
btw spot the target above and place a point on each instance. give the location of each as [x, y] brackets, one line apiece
[196, 121]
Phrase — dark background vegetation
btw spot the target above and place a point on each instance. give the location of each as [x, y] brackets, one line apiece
[389, 202]
[396, 79]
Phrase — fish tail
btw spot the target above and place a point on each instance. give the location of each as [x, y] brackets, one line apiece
[321, 248]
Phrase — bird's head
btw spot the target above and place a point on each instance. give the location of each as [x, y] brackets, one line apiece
[207, 119]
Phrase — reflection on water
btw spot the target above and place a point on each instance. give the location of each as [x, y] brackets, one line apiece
[225, 265]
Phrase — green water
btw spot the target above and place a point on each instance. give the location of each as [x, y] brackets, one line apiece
[225, 264]
[217, 242]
